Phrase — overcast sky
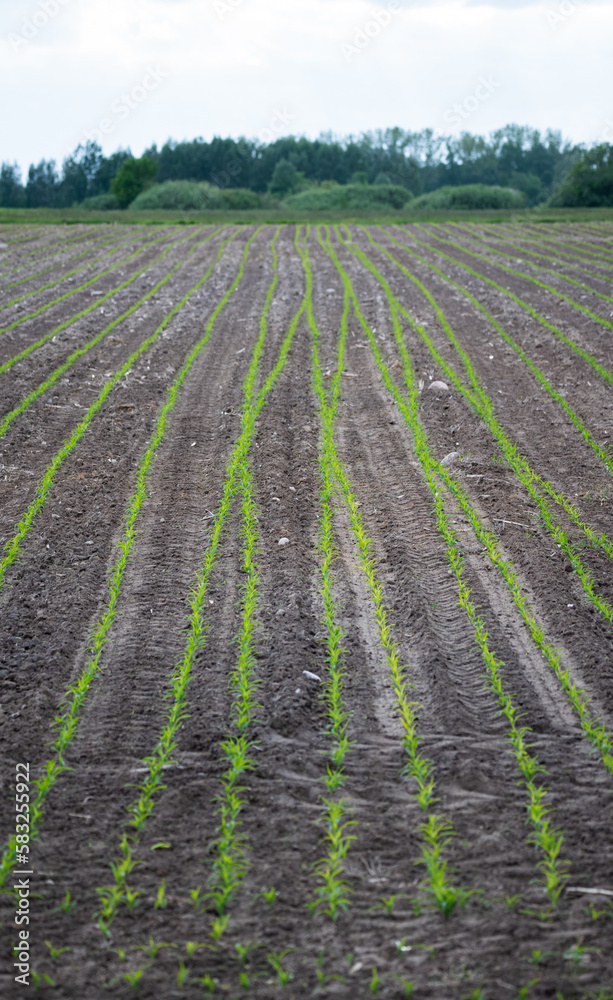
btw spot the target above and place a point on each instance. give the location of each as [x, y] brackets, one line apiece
[133, 72]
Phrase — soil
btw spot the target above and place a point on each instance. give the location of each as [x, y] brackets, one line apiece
[505, 938]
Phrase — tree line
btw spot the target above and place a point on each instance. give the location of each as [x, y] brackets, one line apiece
[514, 156]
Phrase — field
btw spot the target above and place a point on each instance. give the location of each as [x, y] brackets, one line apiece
[306, 604]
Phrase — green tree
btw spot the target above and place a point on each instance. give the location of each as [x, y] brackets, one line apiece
[285, 179]
[12, 194]
[590, 181]
[133, 177]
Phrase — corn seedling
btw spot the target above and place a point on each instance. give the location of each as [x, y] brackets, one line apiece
[152, 948]
[542, 320]
[523, 993]
[69, 274]
[74, 291]
[418, 767]
[134, 978]
[386, 903]
[191, 947]
[407, 986]
[479, 400]
[540, 255]
[375, 981]
[219, 925]
[594, 730]
[68, 904]
[275, 960]
[161, 900]
[269, 895]
[182, 975]
[55, 952]
[553, 869]
[196, 896]
[40, 979]
[207, 983]
[595, 317]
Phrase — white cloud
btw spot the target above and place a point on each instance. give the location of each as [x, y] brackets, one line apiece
[228, 69]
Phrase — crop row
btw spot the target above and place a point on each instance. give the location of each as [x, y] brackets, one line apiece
[594, 730]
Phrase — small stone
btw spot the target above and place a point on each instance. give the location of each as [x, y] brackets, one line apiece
[438, 386]
[310, 676]
[284, 541]
[451, 457]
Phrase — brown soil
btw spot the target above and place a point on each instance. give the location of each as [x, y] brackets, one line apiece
[54, 594]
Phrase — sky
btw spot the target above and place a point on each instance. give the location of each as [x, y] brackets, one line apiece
[132, 72]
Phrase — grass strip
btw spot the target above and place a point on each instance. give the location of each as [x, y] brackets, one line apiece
[13, 545]
[113, 896]
[67, 723]
[599, 540]
[80, 288]
[7, 365]
[51, 379]
[548, 839]
[436, 830]
[583, 354]
[594, 730]
[521, 274]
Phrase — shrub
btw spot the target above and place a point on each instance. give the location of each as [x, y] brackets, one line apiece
[589, 183]
[350, 196]
[133, 177]
[194, 196]
[471, 197]
[100, 203]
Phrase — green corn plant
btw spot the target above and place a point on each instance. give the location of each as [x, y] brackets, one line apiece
[561, 276]
[595, 317]
[39, 979]
[69, 274]
[275, 960]
[182, 975]
[55, 952]
[417, 766]
[161, 900]
[68, 904]
[219, 926]
[191, 947]
[207, 983]
[269, 895]
[196, 896]
[73, 291]
[542, 320]
[134, 978]
[478, 399]
[153, 948]
[549, 841]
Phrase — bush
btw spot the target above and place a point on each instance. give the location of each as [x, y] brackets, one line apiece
[194, 196]
[589, 183]
[350, 196]
[471, 197]
[100, 203]
[133, 177]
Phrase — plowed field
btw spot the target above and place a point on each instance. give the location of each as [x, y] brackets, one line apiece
[306, 605]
